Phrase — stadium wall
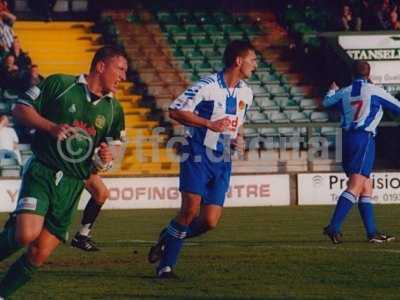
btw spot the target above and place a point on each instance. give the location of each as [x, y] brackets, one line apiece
[162, 192]
[245, 190]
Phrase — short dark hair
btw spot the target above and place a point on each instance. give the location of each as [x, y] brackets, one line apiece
[234, 49]
[105, 53]
[361, 68]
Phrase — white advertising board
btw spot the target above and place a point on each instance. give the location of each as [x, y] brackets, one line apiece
[325, 188]
[162, 192]
[381, 51]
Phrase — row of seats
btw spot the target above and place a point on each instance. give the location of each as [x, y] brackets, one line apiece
[274, 116]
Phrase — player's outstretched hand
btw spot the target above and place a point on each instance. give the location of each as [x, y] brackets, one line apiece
[105, 153]
[334, 86]
[218, 125]
[60, 131]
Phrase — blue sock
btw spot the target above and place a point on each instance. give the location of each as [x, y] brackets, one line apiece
[173, 239]
[367, 214]
[196, 228]
[343, 206]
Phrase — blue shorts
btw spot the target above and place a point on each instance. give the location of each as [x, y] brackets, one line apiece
[202, 175]
[358, 152]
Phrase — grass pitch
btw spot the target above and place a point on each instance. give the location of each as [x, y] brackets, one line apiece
[255, 253]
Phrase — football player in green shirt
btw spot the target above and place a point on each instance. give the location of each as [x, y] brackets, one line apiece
[76, 120]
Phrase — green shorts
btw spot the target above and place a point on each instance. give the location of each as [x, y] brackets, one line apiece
[51, 194]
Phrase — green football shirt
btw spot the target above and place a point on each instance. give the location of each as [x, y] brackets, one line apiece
[65, 99]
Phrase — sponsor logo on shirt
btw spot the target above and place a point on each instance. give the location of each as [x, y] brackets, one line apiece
[82, 125]
[242, 105]
[72, 109]
[232, 124]
[100, 121]
[33, 92]
[27, 203]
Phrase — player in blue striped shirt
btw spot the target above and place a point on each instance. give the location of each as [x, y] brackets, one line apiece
[361, 105]
[213, 111]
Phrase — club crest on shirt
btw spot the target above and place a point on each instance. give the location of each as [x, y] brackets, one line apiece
[100, 121]
[242, 105]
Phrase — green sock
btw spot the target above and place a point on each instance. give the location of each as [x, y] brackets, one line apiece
[8, 245]
[18, 274]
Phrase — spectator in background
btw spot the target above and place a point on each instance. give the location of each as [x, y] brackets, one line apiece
[364, 12]
[22, 59]
[394, 18]
[8, 141]
[347, 21]
[5, 13]
[43, 8]
[6, 36]
[35, 77]
[9, 73]
[381, 16]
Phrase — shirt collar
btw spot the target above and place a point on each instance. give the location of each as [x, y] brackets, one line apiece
[221, 80]
[360, 79]
[82, 80]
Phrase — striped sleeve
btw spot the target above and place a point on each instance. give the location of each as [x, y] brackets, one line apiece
[387, 100]
[192, 96]
[38, 96]
[332, 98]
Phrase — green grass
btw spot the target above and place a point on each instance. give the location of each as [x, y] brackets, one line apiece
[255, 253]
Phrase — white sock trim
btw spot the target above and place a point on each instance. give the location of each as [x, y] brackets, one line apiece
[85, 229]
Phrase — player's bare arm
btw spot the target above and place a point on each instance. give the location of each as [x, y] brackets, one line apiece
[191, 119]
[28, 116]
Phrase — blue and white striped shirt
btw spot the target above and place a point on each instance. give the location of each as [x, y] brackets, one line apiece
[210, 98]
[361, 105]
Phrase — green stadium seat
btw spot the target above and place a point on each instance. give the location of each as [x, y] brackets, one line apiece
[212, 29]
[296, 91]
[223, 18]
[287, 104]
[259, 91]
[178, 53]
[269, 132]
[319, 117]
[167, 18]
[263, 66]
[185, 43]
[205, 41]
[250, 133]
[212, 53]
[329, 131]
[297, 117]
[9, 167]
[254, 107]
[288, 132]
[195, 30]
[266, 103]
[195, 53]
[5, 108]
[217, 64]
[204, 73]
[277, 117]
[252, 31]
[308, 104]
[276, 89]
[175, 30]
[257, 117]
[268, 77]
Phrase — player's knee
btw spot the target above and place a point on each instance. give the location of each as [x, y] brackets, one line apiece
[26, 237]
[101, 196]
